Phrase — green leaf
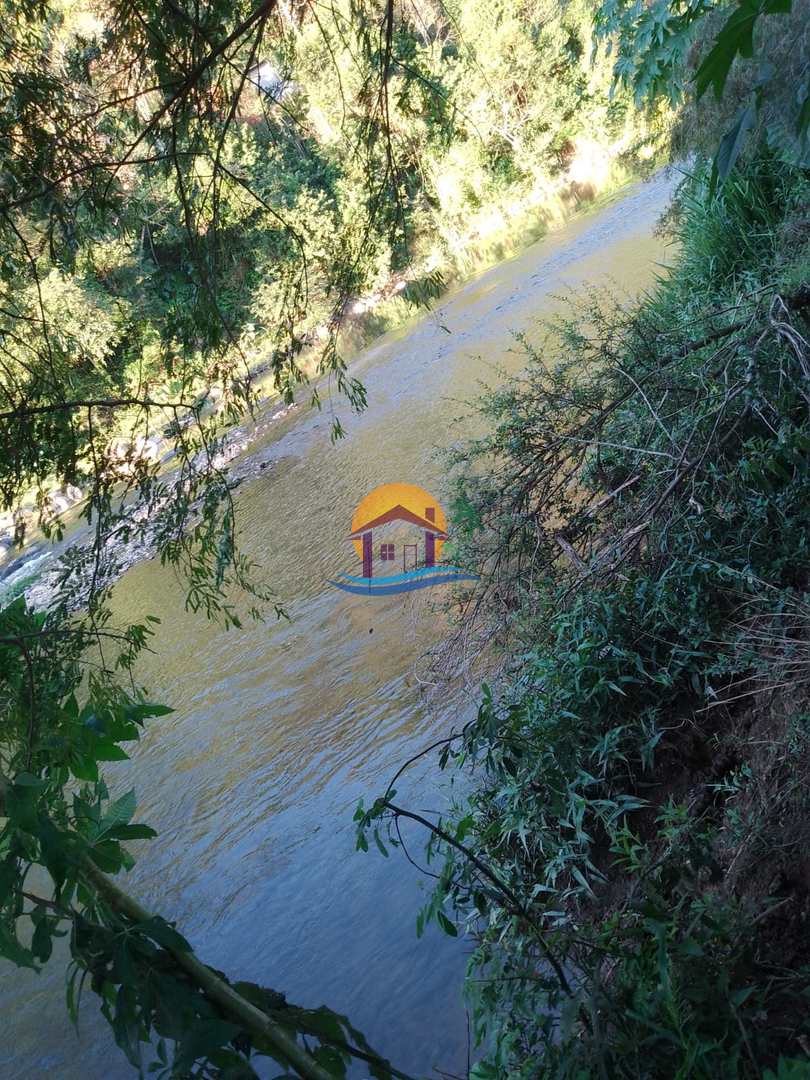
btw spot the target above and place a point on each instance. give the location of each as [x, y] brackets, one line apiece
[125, 1025]
[120, 812]
[463, 827]
[803, 120]
[381, 846]
[133, 832]
[9, 876]
[12, 950]
[789, 1069]
[735, 38]
[331, 1060]
[203, 1039]
[106, 750]
[21, 806]
[144, 710]
[27, 780]
[727, 153]
[739, 997]
[108, 856]
[159, 931]
[84, 769]
[446, 924]
[41, 943]
[484, 1070]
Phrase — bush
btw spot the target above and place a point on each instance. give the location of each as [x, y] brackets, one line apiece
[639, 517]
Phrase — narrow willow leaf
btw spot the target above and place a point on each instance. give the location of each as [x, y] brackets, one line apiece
[446, 924]
[731, 146]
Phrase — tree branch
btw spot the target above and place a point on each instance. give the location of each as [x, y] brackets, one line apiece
[91, 403]
[251, 1018]
[505, 890]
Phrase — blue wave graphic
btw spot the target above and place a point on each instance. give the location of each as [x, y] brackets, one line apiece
[407, 576]
[397, 583]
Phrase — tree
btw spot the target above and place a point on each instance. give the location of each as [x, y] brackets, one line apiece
[130, 156]
[754, 58]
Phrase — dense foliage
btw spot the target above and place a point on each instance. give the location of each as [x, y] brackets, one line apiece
[193, 201]
[194, 198]
[627, 860]
[754, 57]
[630, 857]
[189, 197]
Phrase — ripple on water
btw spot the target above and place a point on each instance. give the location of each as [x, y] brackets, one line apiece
[281, 727]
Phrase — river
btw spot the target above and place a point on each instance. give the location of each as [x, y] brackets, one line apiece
[280, 727]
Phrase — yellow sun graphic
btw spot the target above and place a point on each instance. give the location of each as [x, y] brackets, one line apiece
[388, 497]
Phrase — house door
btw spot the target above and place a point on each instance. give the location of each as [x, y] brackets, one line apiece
[367, 556]
[409, 556]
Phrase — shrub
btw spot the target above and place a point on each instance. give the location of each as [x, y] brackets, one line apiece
[639, 518]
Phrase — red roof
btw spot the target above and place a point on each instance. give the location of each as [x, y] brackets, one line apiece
[399, 513]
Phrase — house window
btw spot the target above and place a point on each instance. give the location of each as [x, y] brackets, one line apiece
[386, 552]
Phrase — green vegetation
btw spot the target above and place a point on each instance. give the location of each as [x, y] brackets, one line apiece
[752, 56]
[194, 200]
[170, 232]
[630, 854]
[632, 858]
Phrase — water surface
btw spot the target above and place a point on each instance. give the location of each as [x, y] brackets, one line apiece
[280, 727]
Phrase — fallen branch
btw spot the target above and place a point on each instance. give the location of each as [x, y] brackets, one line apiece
[247, 1015]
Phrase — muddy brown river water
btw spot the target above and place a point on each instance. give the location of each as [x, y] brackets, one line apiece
[281, 727]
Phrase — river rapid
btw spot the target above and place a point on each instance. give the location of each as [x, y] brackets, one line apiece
[280, 727]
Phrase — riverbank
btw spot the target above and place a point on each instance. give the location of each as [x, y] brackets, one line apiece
[639, 799]
[594, 173]
[35, 569]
